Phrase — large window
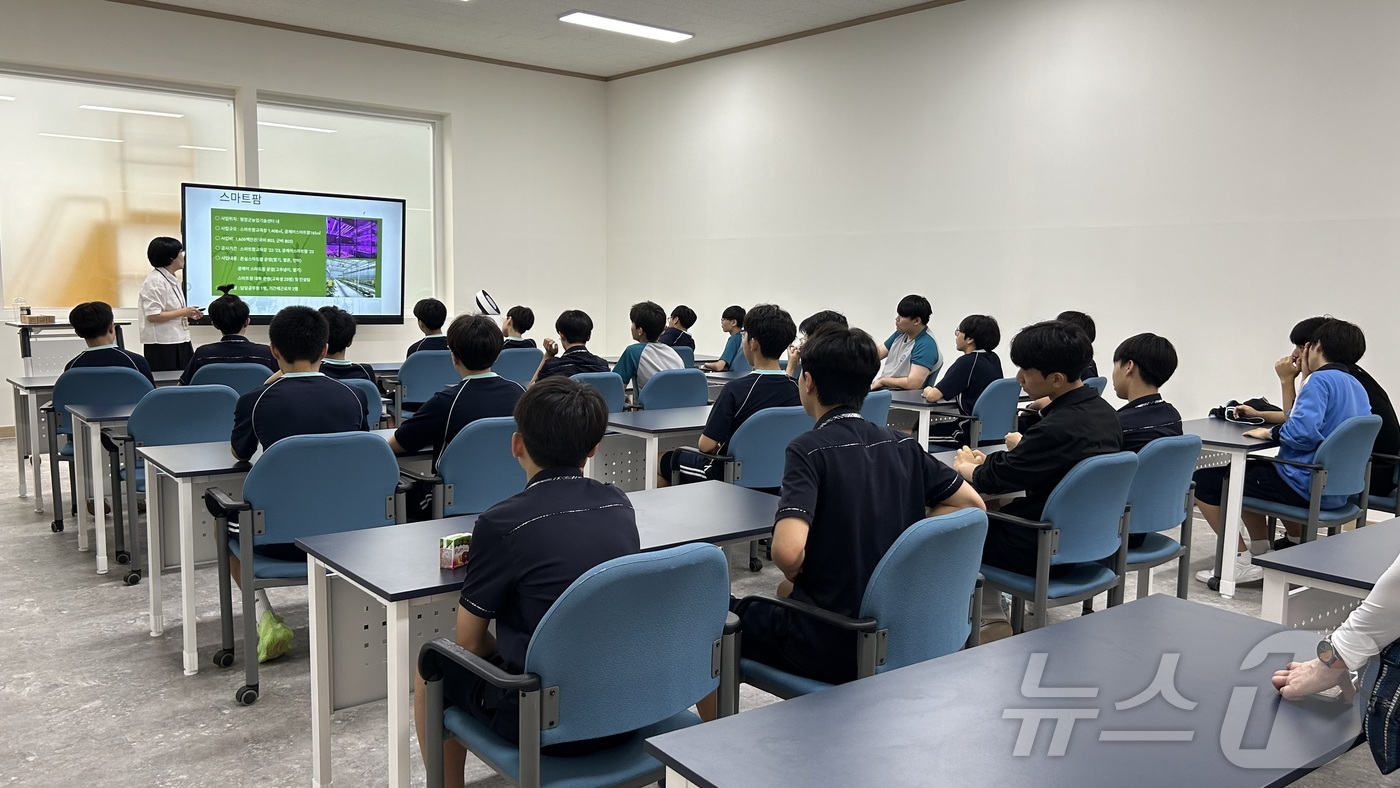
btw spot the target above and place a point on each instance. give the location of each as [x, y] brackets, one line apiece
[89, 173]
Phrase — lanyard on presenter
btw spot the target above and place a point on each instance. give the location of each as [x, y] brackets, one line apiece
[179, 294]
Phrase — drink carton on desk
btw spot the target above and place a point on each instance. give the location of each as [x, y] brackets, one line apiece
[453, 550]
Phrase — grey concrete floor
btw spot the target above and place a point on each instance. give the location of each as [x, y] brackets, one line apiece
[89, 697]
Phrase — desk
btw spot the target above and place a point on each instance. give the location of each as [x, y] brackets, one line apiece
[90, 464]
[1226, 437]
[967, 719]
[929, 412]
[1348, 564]
[32, 333]
[650, 425]
[396, 567]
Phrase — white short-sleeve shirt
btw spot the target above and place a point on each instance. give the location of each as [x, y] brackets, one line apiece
[161, 292]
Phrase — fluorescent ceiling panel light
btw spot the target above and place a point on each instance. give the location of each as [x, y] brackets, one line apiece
[76, 137]
[203, 147]
[125, 111]
[7, 98]
[298, 128]
[619, 26]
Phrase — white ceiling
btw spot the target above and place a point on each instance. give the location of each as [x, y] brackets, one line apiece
[529, 31]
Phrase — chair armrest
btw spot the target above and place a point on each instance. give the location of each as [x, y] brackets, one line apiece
[1011, 519]
[110, 441]
[811, 611]
[47, 407]
[442, 650]
[695, 451]
[390, 380]
[731, 623]
[221, 504]
[1379, 455]
[420, 477]
[1264, 458]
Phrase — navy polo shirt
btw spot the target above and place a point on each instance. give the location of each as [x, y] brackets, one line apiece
[968, 377]
[675, 337]
[573, 361]
[340, 369]
[431, 342]
[110, 356]
[512, 343]
[741, 398]
[1091, 371]
[298, 403]
[232, 349]
[439, 419]
[1146, 419]
[527, 549]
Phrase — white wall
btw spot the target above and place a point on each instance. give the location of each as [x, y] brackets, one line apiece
[526, 151]
[1208, 171]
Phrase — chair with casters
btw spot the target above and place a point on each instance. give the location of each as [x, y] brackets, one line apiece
[923, 601]
[518, 364]
[610, 385]
[876, 408]
[422, 375]
[1085, 521]
[1161, 499]
[675, 388]
[687, 355]
[242, 378]
[629, 646]
[993, 414]
[374, 401]
[741, 362]
[363, 474]
[1097, 384]
[476, 469]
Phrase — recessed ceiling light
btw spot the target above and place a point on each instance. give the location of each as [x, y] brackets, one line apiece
[620, 26]
[202, 147]
[132, 111]
[298, 128]
[76, 137]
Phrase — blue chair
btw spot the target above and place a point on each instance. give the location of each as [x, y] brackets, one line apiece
[876, 408]
[1160, 500]
[242, 378]
[422, 375]
[629, 646]
[374, 401]
[1098, 384]
[518, 364]
[1386, 503]
[84, 386]
[675, 388]
[994, 413]
[1341, 467]
[1084, 522]
[741, 363]
[687, 355]
[476, 469]
[359, 476]
[610, 385]
[922, 602]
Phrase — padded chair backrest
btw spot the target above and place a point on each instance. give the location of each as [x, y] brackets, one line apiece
[183, 414]
[876, 408]
[242, 378]
[675, 388]
[1345, 452]
[687, 355]
[1099, 384]
[479, 466]
[741, 363]
[1087, 507]
[761, 442]
[425, 373]
[1158, 493]
[96, 386]
[518, 364]
[610, 385]
[374, 402]
[630, 643]
[308, 485]
[996, 409]
[921, 589]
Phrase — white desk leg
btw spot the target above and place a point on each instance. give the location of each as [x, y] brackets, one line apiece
[923, 427]
[675, 780]
[22, 441]
[155, 556]
[1231, 524]
[80, 483]
[1275, 597]
[98, 471]
[36, 453]
[652, 461]
[185, 489]
[397, 616]
[319, 608]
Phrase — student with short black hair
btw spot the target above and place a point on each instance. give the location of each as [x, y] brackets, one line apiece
[165, 315]
[575, 328]
[677, 333]
[806, 329]
[770, 330]
[431, 314]
[342, 327]
[977, 368]
[909, 356]
[229, 314]
[1142, 364]
[731, 322]
[300, 401]
[1086, 324]
[519, 319]
[529, 548]
[92, 320]
[640, 361]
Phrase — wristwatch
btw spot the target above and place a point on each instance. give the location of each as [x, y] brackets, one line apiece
[1326, 654]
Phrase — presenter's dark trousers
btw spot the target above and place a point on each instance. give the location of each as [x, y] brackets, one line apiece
[168, 358]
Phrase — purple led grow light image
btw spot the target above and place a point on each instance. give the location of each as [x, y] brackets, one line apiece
[352, 257]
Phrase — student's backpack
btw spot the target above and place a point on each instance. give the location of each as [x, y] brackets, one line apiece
[1227, 411]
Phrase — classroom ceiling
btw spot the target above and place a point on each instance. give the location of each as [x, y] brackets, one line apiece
[528, 32]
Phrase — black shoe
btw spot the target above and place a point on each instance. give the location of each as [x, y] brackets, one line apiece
[1283, 543]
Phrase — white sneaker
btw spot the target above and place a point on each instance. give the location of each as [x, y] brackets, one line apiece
[1245, 571]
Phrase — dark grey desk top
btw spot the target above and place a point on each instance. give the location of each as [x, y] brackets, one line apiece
[943, 722]
[1218, 432]
[662, 421]
[915, 400]
[207, 459]
[398, 562]
[45, 382]
[42, 326]
[385, 367]
[1355, 558]
[725, 377]
[102, 412]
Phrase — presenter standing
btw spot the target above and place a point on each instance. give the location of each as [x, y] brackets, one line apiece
[165, 329]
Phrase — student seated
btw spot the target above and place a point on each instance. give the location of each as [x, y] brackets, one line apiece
[1086, 324]
[647, 356]
[910, 355]
[575, 328]
[850, 488]
[1142, 364]
[977, 368]
[431, 314]
[1075, 425]
[342, 335]
[1329, 396]
[519, 319]
[526, 550]
[229, 314]
[92, 320]
[301, 401]
[677, 333]
[731, 322]
[770, 331]
[806, 329]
